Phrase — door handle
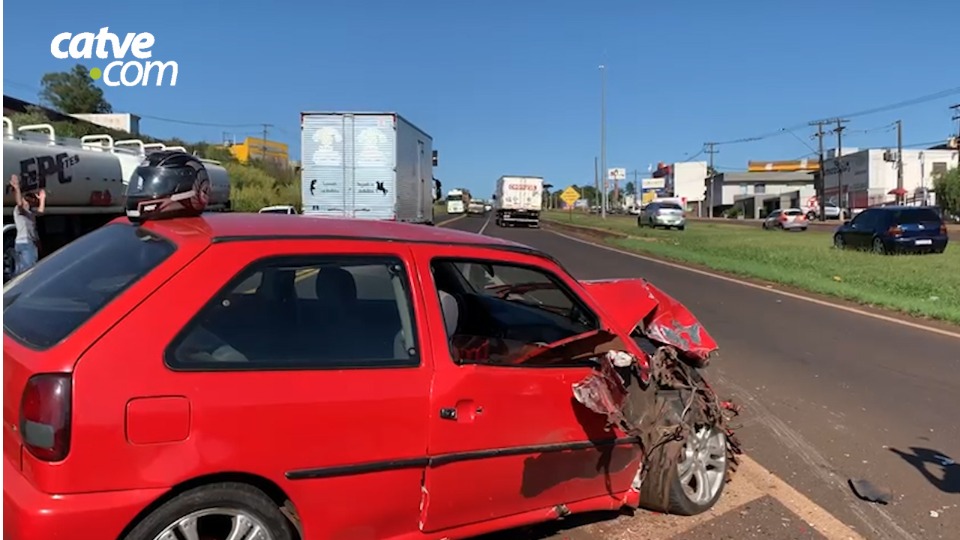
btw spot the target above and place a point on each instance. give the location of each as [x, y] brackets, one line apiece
[465, 411]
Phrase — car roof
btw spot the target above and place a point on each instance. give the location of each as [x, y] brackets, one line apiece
[894, 207]
[215, 227]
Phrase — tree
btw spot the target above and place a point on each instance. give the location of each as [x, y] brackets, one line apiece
[630, 188]
[73, 92]
[947, 188]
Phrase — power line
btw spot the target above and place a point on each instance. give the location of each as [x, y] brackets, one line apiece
[884, 108]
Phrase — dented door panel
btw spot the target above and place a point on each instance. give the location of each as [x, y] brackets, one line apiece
[510, 439]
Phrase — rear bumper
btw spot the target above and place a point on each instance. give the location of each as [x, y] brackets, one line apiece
[910, 244]
[669, 222]
[29, 513]
[794, 225]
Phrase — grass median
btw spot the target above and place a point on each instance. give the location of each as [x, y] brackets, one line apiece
[924, 285]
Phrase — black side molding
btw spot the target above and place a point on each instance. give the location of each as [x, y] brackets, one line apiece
[445, 459]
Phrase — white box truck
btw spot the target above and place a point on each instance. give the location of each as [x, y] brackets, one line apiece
[519, 200]
[366, 166]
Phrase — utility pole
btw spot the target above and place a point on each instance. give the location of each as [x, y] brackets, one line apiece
[899, 162]
[821, 182]
[957, 118]
[263, 146]
[596, 180]
[711, 150]
[839, 131]
[603, 138]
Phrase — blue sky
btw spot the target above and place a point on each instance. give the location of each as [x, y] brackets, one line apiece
[514, 87]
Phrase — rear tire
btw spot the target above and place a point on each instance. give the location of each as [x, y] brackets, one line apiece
[878, 246]
[681, 228]
[215, 508]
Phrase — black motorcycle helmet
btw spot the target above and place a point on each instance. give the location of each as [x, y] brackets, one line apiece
[167, 184]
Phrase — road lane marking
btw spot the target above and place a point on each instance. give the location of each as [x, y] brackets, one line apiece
[824, 303]
[484, 227]
[449, 221]
[798, 503]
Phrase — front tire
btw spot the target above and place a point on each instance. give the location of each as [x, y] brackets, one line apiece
[216, 511]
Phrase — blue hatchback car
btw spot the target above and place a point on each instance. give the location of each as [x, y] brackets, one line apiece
[894, 229]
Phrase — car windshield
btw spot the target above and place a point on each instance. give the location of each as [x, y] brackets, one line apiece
[46, 304]
[455, 198]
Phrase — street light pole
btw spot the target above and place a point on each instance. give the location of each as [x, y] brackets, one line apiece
[603, 139]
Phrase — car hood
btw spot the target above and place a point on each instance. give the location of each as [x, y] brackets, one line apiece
[633, 303]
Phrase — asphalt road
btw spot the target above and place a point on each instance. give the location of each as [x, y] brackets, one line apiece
[828, 395]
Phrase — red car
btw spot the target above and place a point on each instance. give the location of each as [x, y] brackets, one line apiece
[262, 376]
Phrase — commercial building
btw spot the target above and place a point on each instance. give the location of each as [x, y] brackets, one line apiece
[754, 192]
[127, 122]
[258, 148]
[869, 177]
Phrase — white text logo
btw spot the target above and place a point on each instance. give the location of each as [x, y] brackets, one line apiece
[105, 45]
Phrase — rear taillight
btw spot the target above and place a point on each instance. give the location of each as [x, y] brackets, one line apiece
[783, 217]
[895, 230]
[943, 228]
[45, 416]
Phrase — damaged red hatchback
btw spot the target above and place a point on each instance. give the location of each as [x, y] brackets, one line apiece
[274, 377]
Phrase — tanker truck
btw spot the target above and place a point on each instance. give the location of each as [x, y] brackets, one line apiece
[85, 180]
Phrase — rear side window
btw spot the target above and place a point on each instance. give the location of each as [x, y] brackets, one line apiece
[918, 215]
[305, 312]
[66, 289]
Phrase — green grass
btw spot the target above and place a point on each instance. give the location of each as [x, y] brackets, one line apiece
[924, 285]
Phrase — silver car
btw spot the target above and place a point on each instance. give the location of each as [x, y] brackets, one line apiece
[662, 214]
[787, 219]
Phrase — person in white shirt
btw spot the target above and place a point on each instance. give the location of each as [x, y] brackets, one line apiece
[25, 220]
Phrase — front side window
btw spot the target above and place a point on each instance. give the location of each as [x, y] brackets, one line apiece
[64, 291]
[305, 313]
[510, 315]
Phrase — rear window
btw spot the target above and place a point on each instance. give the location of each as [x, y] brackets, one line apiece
[669, 206]
[792, 212]
[66, 289]
[917, 215]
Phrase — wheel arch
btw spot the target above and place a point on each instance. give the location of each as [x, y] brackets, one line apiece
[267, 486]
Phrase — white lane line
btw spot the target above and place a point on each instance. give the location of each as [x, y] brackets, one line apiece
[449, 221]
[484, 227]
[893, 320]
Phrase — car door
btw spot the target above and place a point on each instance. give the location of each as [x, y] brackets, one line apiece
[507, 435]
[296, 361]
[860, 232]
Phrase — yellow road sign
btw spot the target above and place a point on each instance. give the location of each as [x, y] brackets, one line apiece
[570, 196]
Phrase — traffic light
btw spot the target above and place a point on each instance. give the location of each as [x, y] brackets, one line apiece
[435, 159]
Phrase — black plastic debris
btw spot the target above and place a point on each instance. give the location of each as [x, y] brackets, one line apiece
[870, 492]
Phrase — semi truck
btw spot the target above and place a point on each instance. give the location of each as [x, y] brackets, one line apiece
[375, 166]
[85, 180]
[458, 200]
[519, 200]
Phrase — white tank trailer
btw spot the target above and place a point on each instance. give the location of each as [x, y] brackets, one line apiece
[85, 180]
